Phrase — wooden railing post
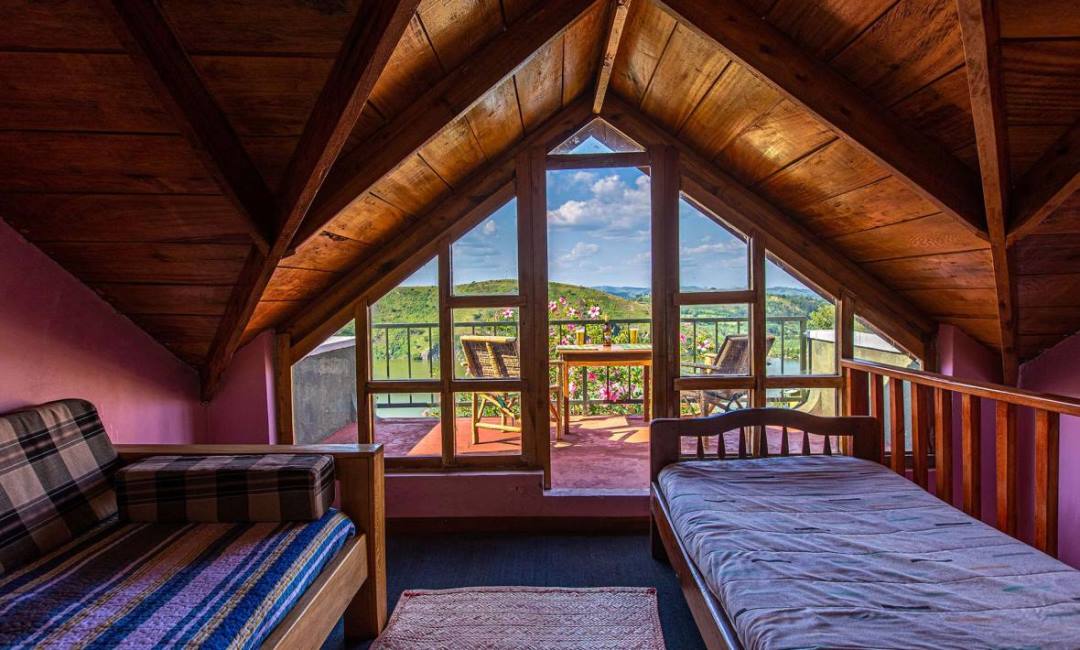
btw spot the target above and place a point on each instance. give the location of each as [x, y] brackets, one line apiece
[1047, 428]
[856, 400]
[896, 423]
[877, 410]
[943, 455]
[920, 435]
[971, 453]
[1005, 465]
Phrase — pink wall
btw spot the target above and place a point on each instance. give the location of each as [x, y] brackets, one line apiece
[963, 357]
[1055, 371]
[243, 409]
[58, 339]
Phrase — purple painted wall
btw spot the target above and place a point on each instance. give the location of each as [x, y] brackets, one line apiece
[963, 357]
[59, 339]
[243, 410]
[1056, 371]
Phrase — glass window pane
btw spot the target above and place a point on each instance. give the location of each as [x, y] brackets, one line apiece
[484, 261]
[597, 137]
[599, 251]
[712, 257]
[486, 344]
[694, 403]
[816, 401]
[800, 326]
[487, 424]
[714, 340]
[407, 424]
[405, 328]
[324, 391]
[872, 345]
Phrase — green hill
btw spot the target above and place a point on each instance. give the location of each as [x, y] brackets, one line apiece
[420, 304]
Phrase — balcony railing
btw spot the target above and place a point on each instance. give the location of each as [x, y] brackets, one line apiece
[411, 351]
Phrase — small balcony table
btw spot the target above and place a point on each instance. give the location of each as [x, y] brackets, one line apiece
[597, 355]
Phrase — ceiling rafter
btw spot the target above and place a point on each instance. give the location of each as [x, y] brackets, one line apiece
[326, 313]
[928, 168]
[154, 48]
[982, 53]
[1050, 182]
[611, 50]
[444, 102]
[820, 262]
[367, 48]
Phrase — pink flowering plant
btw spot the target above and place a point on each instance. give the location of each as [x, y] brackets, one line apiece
[595, 390]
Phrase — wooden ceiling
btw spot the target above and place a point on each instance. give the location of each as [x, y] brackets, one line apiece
[98, 171]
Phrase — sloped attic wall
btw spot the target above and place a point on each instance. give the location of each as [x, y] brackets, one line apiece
[58, 339]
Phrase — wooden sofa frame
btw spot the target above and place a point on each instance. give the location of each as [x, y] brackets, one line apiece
[665, 438]
[353, 584]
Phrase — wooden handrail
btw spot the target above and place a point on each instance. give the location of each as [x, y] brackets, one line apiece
[986, 390]
[932, 425]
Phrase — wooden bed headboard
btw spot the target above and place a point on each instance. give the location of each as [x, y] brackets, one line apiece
[665, 435]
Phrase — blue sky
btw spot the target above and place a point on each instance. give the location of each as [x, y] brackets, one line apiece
[599, 234]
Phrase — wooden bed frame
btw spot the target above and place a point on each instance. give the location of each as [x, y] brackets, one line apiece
[665, 437]
[353, 583]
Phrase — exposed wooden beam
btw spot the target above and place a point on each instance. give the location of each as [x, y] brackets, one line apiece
[812, 257]
[924, 165]
[444, 102]
[153, 46]
[982, 53]
[1048, 184]
[611, 50]
[371, 40]
[482, 192]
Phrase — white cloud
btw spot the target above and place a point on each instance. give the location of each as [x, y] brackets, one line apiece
[583, 177]
[489, 227]
[612, 208]
[581, 250]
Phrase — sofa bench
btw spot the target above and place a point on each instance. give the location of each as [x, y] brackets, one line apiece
[73, 574]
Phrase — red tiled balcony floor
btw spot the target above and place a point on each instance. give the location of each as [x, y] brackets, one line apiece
[598, 452]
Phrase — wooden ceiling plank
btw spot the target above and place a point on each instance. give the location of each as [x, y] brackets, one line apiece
[611, 50]
[812, 84]
[371, 40]
[1047, 185]
[792, 242]
[482, 190]
[156, 51]
[982, 50]
[453, 96]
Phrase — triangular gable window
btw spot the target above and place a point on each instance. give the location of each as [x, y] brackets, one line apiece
[598, 137]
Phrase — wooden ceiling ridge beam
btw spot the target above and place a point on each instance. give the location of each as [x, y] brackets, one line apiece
[1049, 183]
[366, 50]
[795, 244]
[611, 50]
[451, 97]
[153, 46]
[979, 30]
[927, 167]
[477, 194]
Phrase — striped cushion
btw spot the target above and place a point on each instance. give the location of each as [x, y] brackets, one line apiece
[272, 487]
[167, 585]
[55, 465]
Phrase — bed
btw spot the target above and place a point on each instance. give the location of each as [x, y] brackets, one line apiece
[832, 550]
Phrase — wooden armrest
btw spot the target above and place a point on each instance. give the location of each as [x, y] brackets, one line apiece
[130, 453]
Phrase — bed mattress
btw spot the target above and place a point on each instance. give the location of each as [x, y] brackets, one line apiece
[167, 585]
[814, 552]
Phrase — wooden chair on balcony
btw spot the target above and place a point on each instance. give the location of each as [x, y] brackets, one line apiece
[732, 359]
[498, 357]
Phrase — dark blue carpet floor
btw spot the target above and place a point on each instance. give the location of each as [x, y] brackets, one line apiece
[466, 560]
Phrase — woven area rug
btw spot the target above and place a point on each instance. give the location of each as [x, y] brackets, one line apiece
[525, 618]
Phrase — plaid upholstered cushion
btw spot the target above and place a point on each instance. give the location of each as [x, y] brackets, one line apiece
[271, 487]
[55, 466]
